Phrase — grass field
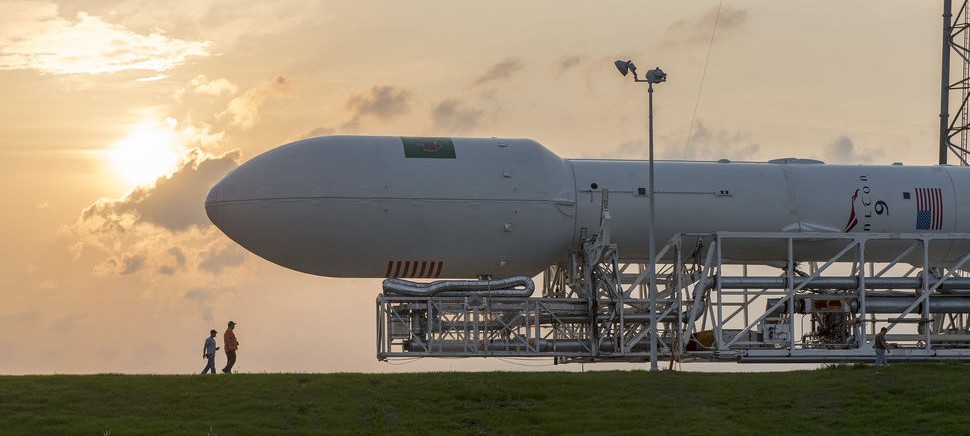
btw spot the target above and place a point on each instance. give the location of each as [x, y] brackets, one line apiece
[900, 399]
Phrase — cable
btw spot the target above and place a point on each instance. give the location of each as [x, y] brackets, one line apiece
[403, 360]
[509, 360]
[697, 102]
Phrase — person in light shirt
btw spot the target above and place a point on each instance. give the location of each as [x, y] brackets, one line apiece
[209, 352]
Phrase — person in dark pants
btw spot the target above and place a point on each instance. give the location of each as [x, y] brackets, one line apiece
[209, 352]
[882, 347]
[229, 340]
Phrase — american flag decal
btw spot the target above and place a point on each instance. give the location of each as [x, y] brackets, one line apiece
[929, 209]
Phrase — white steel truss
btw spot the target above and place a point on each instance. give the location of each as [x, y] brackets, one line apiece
[596, 309]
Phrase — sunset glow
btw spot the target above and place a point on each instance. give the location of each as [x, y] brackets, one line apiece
[147, 153]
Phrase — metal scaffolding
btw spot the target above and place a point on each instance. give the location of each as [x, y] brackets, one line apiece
[956, 45]
[708, 309]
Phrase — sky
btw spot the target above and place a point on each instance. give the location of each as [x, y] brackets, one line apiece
[117, 116]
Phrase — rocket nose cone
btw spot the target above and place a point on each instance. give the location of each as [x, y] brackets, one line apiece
[214, 204]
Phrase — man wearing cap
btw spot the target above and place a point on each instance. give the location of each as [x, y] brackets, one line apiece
[231, 344]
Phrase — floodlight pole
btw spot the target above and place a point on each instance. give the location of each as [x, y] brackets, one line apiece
[655, 75]
[652, 242]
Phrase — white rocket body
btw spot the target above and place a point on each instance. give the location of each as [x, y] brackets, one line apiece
[363, 206]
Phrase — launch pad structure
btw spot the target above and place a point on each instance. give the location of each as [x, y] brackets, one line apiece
[788, 310]
[792, 309]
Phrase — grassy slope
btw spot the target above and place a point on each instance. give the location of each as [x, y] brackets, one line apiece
[901, 399]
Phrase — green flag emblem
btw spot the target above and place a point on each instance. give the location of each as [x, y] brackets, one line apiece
[435, 148]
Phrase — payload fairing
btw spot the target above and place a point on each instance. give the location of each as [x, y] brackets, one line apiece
[366, 206]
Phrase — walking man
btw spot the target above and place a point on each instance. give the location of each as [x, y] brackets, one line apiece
[209, 352]
[229, 340]
[882, 347]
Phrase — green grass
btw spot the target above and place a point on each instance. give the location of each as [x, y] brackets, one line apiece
[845, 399]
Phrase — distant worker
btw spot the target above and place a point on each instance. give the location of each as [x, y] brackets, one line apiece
[882, 347]
[229, 340]
[209, 352]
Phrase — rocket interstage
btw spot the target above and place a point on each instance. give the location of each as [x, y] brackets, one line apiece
[366, 206]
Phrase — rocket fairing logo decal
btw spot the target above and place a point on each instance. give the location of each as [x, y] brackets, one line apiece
[929, 209]
[853, 221]
[435, 148]
[863, 196]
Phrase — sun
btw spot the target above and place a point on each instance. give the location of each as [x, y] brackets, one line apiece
[150, 151]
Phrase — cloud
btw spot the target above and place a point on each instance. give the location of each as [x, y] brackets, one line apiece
[383, 102]
[159, 234]
[33, 36]
[243, 111]
[706, 144]
[698, 30]
[500, 71]
[206, 298]
[67, 323]
[351, 126]
[451, 116]
[200, 295]
[568, 62]
[120, 266]
[173, 203]
[207, 316]
[627, 150]
[20, 318]
[173, 262]
[154, 78]
[226, 22]
[843, 150]
[217, 258]
[132, 264]
[202, 85]
[319, 131]
[199, 137]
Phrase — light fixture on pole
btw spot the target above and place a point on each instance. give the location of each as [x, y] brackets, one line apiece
[655, 75]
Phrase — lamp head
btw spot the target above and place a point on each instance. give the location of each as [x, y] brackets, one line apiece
[625, 67]
[656, 75]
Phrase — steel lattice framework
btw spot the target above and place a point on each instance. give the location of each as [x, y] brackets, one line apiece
[956, 46]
